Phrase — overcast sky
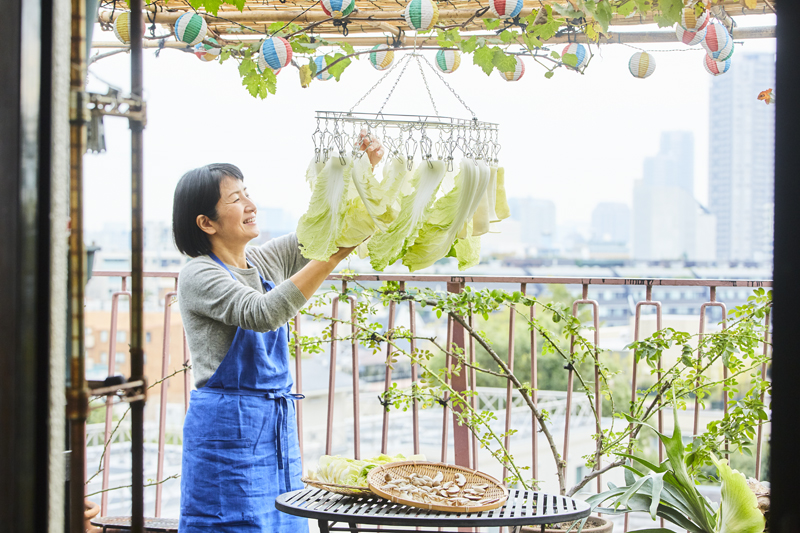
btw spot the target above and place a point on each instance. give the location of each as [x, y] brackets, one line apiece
[577, 140]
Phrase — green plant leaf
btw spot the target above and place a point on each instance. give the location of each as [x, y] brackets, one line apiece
[469, 45]
[626, 8]
[483, 58]
[570, 60]
[657, 481]
[491, 24]
[503, 62]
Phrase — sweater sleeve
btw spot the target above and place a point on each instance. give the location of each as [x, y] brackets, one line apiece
[206, 289]
[284, 252]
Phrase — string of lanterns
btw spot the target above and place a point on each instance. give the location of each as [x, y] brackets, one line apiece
[422, 15]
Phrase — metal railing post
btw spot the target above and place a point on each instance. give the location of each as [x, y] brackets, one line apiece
[462, 440]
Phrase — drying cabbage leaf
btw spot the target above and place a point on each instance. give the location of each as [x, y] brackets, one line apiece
[491, 195]
[501, 202]
[353, 472]
[313, 170]
[449, 215]
[319, 227]
[480, 220]
[468, 249]
[388, 246]
[375, 198]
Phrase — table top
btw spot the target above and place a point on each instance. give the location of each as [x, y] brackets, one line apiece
[521, 508]
[124, 522]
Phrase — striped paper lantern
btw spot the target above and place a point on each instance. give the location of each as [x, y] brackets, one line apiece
[381, 56]
[690, 38]
[277, 52]
[578, 50]
[122, 27]
[320, 62]
[421, 14]
[448, 60]
[505, 9]
[717, 39]
[690, 21]
[641, 64]
[190, 28]
[338, 8]
[723, 54]
[206, 52]
[715, 67]
[261, 66]
[515, 74]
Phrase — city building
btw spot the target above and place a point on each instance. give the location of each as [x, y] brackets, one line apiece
[611, 228]
[537, 221]
[741, 159]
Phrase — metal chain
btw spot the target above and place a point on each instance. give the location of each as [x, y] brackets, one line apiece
[376, 84]
[448, 86]
[405, 64]
[425, 81]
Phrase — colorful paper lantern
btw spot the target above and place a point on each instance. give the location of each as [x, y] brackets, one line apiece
[261, 66]
[338, 8]
[505, 9]
[320, 62]
[190, 28]
[718, 40]
[724, 54]
[448, 60]
[277, 52]
[515, 74]
[206, 52]
[578, 50]
[690, 21]
[642, 64]
[122, 27]
[381, 56]
[715, 67]
[690, 38]
[421, 14]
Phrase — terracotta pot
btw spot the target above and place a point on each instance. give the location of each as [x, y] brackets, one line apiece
[91, 510]
[594, 524]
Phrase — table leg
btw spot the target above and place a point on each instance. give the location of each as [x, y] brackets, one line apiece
[323, 526]
[353, 527]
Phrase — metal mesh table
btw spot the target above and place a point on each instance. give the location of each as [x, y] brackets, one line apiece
[523, 508]
[124, 522]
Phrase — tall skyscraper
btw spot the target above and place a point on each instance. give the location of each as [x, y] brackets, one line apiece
[611, 222]
[741, 159]
[668, 223]
[537, 222]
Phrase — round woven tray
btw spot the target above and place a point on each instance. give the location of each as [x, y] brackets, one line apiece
[347, 490]
[494, 497]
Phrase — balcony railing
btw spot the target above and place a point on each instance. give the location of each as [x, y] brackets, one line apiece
[420, 430]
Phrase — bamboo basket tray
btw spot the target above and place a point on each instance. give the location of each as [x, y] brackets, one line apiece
[496, 493]
[347, 490]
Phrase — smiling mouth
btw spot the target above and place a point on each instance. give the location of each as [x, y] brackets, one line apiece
[250, 220]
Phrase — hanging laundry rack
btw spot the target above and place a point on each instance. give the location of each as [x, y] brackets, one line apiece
[337, 132]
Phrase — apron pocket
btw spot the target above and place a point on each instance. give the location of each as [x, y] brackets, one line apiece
[217, 484]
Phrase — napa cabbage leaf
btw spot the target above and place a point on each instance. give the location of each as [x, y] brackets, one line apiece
[319, 228]
[353, 472]
[501, 202]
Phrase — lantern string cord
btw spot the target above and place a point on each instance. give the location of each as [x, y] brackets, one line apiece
[688, 49]
[315, 4]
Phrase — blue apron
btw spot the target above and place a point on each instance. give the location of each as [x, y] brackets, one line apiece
[240, 447]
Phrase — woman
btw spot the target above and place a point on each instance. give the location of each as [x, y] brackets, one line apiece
[240, 447]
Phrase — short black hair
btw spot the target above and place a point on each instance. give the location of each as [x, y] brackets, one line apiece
[197, 193]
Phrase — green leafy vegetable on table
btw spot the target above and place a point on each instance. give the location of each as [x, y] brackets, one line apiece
[353, 472]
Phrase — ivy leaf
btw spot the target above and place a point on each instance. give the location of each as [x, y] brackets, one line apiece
[442, 39]
[211, 6]
[271, 80]
[483, 58]
[300, 47]
[469, 45]
[337, 69]
[603, 14]
[508, 36]
[238, 4]
[491, 24]
[571, 60]
[549, 28]
[348, 48]
[503, 62]
[531, 42]
[246, 67]
[255, 84]
[626, 9]
[670, 12]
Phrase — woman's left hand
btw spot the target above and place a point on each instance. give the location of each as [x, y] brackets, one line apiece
[372, 145]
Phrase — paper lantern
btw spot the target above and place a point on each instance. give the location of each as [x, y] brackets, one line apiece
[381, 56]
[718, 40]
[338, 8]
[578, 50]
[515, 74]
[421, 14]
[261, 66]
[320, 62]
[690, 38]
[206, 52]
[641, 64]
[690, 21]
[723, 54]
[277, 52]
[505, 9]
[190, 28]
[122, 27]
[448, 60]
[715, 67]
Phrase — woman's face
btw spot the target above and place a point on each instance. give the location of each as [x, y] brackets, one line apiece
[236, 214]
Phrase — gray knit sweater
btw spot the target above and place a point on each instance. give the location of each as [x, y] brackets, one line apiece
[213, 305]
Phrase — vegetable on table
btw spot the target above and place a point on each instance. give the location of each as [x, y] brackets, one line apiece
[353, 472]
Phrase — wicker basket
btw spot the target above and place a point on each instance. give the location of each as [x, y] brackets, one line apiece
[496, 494]
[347, 490]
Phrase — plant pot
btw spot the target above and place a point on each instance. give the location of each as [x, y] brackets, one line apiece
[594, 524]
[91, 510]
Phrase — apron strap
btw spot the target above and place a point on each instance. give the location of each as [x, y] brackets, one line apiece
[268, 285]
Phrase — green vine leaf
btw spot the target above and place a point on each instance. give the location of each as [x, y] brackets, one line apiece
[211, 6]
[247, 66]
[469, 45]
[337, 69]
[626, 9]
[508, 36]
[484, 57]
[491, 24]
[571, 60]
[670, 12]
[348, 48]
